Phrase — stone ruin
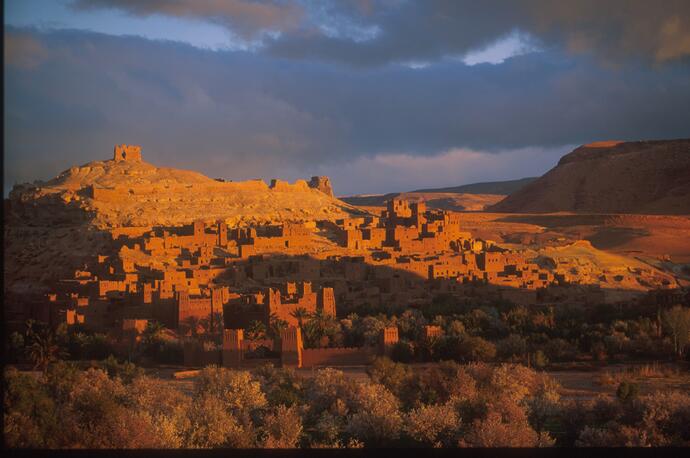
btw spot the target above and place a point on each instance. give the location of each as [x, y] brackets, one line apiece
[323, 184]
[129, 153]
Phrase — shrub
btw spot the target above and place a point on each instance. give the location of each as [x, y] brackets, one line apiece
[475, 349]
[390, 374]
[376, 418]
[433, 425]
[513, 346]
[403, 352]
[282, 428]
[627, 391]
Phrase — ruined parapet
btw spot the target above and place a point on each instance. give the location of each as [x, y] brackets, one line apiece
[279, 185]
[323, 184]
[129, 153]
[291, 347]
[388, 339]
[284, 186]
[300, 185]
[432, 332]
[233, 354]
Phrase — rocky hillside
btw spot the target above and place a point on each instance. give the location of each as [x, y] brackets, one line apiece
[111, 194]
[489, 187]
[646, 177]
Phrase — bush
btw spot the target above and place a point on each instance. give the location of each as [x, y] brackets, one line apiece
[403, 352]
[513, 346]
[390, 374]
[559, 350]
[475, 349]
[627, 391]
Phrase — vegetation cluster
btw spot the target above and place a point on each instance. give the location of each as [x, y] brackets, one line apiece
[446, 405]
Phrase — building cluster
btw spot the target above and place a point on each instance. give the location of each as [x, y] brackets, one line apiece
[209, 276]
[430, 244]
[182, 275]
[117, 288]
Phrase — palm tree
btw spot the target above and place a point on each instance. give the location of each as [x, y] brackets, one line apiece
[256, 330]
[317, 327]
[300, 314]
[152, 333]
[192, 323]
[276, 326]
[44, 349]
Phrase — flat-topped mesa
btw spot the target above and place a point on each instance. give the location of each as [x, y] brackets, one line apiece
[603, 144]
[323, 184]
[129, 153]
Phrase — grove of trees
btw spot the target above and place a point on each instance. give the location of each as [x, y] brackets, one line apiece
[447, 405]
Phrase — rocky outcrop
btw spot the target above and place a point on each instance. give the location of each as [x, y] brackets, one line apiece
[323, 184]
[645, 177]
[120, 193]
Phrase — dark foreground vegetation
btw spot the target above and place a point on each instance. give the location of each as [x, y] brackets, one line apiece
[446, 405]
[536, 336]
[480, 394]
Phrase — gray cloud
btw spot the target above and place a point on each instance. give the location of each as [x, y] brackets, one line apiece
[428, 30]
[22, 50]
[244, 17]
[243, 115]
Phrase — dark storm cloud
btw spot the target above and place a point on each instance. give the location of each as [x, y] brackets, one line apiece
[373, 32]
[242, 115]
[245, 17]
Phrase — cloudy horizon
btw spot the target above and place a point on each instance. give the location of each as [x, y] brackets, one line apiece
[245, 89]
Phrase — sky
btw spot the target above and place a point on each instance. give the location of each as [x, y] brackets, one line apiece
[380, 95]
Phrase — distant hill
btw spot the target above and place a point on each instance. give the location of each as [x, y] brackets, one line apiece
[647, 177]
[490, 187]
[468, 197]
[439, 200]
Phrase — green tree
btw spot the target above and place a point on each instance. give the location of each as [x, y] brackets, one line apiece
[512, 347]
[191, 324]
[300, 314]
[282, 428]
[475, 349]
[43, 348]
[256, 330]
[376, 417]
[677, 324]
[390, 374]
[627, 391]
[276, 326]
[435, 425]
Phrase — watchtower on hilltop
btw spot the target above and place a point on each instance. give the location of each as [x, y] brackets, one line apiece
[129, 153]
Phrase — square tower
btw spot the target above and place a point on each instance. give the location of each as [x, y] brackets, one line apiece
[129, 153]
